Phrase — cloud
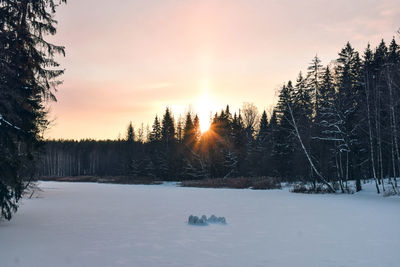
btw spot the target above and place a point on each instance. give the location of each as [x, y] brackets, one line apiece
[129, 61]
[368, 23]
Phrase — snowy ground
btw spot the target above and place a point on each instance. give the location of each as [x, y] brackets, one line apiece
[82, 224]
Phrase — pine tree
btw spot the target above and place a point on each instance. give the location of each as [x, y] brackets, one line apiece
[238, 133]
[167, 128]
[147, 133]
[303, 113]
[231, 163]
[149, 170]
[188, 132]
[155, 134]
[130, 165]
[393, 53]
[179, 130]
[141, 134]
[261, 151]
[196, 128]
[263, 127]
[273, 132]
[285, 143]
[343, 125]
[130, 133]
[313, 78]
[326, 152]
[28, 78]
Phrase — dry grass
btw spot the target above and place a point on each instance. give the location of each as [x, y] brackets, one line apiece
[303, 188]
[103, 179]
[238, 183]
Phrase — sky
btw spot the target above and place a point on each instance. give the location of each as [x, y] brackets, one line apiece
[129, 60]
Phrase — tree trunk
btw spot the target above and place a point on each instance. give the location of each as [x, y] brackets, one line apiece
[366, 87]
[393, 121]
[319, 175]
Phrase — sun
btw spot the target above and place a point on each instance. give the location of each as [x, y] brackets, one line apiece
[203, 109]
[205, 105]
[204, 122]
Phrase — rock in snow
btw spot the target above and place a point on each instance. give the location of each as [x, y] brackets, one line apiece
[194, 220]
[215, 219]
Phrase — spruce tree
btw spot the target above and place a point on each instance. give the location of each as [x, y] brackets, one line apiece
[263, 127]
[130, 133]
[285, 143]
[326, 152]
[344, 124]
[313, 78]
[28, 77]
[196, 128]
[155, 135]
[303, 113]
[260, 155]
[273, 134]
[167, 128]
[179, 130]
[130, 164]
[393, 53]
[188, 132]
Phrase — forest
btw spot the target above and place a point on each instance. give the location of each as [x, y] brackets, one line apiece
[332, 124]
[225, 182]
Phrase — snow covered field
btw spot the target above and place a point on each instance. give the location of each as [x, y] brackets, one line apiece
[83, 224]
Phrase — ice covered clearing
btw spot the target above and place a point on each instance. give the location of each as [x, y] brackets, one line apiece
[83, 224]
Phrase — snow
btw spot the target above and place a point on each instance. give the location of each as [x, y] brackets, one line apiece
[84, 224]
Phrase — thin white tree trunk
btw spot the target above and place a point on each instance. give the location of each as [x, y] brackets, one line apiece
[378, 133]
[393, 121]
[394, 168]
[323, 180]
[393, 126]
[366, 87]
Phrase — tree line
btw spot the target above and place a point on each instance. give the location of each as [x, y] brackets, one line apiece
[333, 124]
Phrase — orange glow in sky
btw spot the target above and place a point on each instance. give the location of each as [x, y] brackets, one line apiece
[128, 60]
[204, 106]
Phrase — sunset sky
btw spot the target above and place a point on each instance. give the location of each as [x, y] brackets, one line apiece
[129, 60]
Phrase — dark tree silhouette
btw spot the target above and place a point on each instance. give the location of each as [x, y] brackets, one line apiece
[339, 123]
[28, 77]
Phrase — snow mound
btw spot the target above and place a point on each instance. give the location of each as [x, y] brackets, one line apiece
[197, 221]
[215, 219]
[194, 220]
